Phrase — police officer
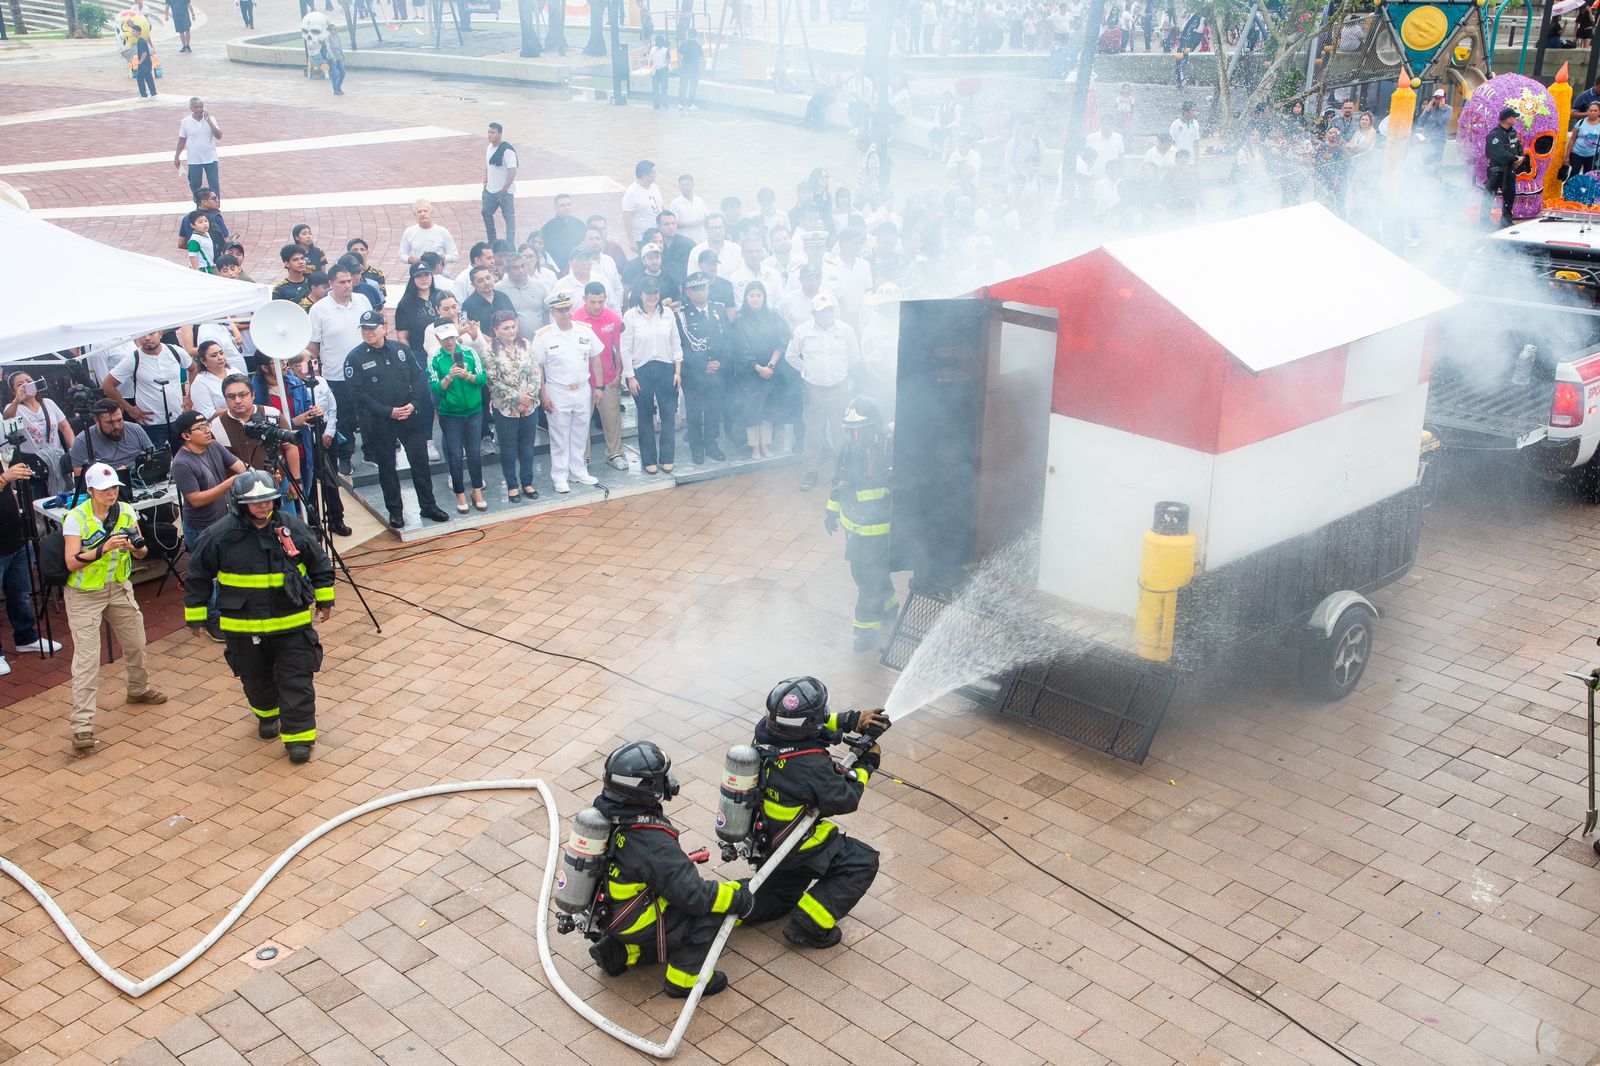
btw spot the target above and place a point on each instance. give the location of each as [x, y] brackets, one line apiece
[1506, 159]
[859, 501]
[390, 387]
[564, 350]
[703, 328]
[270, 573]
[827, 873]
[659, 908]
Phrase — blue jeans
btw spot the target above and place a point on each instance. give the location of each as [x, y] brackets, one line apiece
[16, 581]
[208, 171]
[336, 75]
[463, 433]
[160, 434]
[516, 434]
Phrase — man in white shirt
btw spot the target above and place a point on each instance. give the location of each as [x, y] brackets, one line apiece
[690, 209]
[199, 133]
[641, 203]
[1107, 145]
[480, 254]
[153, 374]
[750, 269]
[854, 274]
[425, 236]
[964, 164]
[335, 333]
[728, 257]
[815, 245]
[1185, 132]
[1162, 153]
[824, 351]
[526, 291]
[499, 183]
[581, 271]
[794, 306]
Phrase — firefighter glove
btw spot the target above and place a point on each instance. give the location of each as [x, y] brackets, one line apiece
[744, 901]
[871, 759]
[831, 522]
[872, 722]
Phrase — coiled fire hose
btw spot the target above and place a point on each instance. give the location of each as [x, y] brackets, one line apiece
[552, 857]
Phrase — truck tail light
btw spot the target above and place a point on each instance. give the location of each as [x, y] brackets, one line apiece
[1566, 409]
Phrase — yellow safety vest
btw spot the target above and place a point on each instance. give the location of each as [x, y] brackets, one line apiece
[113, 566]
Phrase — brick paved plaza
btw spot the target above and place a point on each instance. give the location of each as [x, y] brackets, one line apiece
[1400, 872]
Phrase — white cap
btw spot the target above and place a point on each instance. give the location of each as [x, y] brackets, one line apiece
[1438, 92]
[822, 302]
[446, 329]
[651, 247]
[101, 476]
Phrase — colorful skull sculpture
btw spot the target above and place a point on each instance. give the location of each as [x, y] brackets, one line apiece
[314, 28]
[1535, 124]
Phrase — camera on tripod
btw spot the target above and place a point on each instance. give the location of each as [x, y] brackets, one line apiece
[271, 437]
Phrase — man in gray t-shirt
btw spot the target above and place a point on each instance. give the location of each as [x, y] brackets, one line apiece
[116, 442]
[203, 471]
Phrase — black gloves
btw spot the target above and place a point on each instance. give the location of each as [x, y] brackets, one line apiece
[831, 522]
[872, 758]
[744, 901]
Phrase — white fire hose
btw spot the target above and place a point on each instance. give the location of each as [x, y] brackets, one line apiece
[552, 858]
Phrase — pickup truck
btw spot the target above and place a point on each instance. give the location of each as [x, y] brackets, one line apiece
[1517, 369]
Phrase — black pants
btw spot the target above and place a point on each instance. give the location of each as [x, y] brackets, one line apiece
[332, 502]
[702, 408]
[144, 75]
[1501, 180]
[278, 672]
[656, 394]
[687, 938]
[819, 888]
[380, 451]
[348, 415]
[869, 569]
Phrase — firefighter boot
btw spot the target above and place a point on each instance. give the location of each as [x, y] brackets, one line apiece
[267, 728]
[866, 639]
[804, 934]
[610, 955]
[299, 752]
[716, 983]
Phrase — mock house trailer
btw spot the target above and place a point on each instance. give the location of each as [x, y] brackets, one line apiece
[1212, 450]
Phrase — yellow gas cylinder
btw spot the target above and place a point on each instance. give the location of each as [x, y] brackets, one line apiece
[1168, 565]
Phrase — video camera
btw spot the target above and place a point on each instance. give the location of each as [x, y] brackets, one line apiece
[271, 436]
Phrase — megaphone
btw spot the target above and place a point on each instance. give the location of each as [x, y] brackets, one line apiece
[281, 330]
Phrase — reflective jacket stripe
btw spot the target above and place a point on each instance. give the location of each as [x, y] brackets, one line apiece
[254, 581]
[325, 595]
[265, 625]
[872, 494]
[724, 898]
[879, 529]
[194, 614]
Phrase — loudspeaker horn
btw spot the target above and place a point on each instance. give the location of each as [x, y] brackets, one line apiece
[281, 330]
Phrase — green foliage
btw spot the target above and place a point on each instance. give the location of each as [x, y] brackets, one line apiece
[1288, 85]
[93, 19]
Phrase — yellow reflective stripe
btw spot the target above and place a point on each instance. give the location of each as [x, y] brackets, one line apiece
[773, 809]
[867, 625]
[266, 625]
[620, 890]
[724, 898]
[872, 494]
[649, 916]
[325, 595]
[833, 721]
[816, 912]
[194, 614]
[299, 738]
[878, 529]
[833, 505]
[265, 714]
[862, 774]
[634, 951]
[681, 978]
[819, 835]
[250, 581]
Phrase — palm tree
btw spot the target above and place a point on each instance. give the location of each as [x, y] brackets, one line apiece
[530, 32]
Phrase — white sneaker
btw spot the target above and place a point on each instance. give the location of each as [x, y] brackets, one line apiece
[618, 462]
[433, 452]
[586, 479]
[5, 667]
[41, 645]
[561, 486]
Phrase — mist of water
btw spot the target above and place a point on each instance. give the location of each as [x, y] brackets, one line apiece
[988, 629]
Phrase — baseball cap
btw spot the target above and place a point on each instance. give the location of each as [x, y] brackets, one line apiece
[697, 280]
[822, 302]
[371, 318]
[560, 300]
[651, 247]
[420, 268]
[101, 476]
[187, 421]
[446, 329]
[1438, 92]
[1508, 112]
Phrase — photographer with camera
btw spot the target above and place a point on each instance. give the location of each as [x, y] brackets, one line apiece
[45, 431]
[111, 440]
[102, 539]
[16, 565]
[202, 472]
[154, 373]
[271, 573]
[252, 432]
[322, 426]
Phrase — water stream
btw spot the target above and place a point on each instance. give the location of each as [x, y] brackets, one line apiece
[986, 630]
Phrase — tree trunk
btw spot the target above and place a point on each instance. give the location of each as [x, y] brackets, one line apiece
[555, 33]
[530, 32]
[597, 32]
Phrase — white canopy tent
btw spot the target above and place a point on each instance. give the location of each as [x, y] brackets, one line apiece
[116, 294]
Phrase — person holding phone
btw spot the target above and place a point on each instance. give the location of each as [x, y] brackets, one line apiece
[101, 537]
[457, 380]
[47, 434]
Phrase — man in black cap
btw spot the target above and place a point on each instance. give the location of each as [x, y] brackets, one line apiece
[1506, 158]
[390, 387]
[703, 328]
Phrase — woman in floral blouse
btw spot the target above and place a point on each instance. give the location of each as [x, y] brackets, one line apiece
[514, 397]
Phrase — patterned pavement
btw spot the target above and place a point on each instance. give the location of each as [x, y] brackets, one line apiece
[1400, 872]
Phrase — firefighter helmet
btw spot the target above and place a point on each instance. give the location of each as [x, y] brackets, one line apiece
[862, 413]
[252, 486]
[640, 772]
[797, 707]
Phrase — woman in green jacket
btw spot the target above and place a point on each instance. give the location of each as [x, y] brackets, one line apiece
[458, 378]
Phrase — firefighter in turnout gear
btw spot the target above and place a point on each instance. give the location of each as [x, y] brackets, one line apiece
[859, 501]
[656, 906]
[270, 574]
[827, 873]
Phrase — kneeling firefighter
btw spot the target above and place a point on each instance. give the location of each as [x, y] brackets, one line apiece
[270, 573]
[790, 771]
[859, 501]
[651, 906]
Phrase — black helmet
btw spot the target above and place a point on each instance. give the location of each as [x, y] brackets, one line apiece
[640, 772]
[863, 413]
[797, 707]
[252, 486]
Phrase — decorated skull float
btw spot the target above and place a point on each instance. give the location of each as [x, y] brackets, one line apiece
[1535, 124]
[315, 28]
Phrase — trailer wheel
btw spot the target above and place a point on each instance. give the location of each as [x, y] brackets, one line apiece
[1331, 667]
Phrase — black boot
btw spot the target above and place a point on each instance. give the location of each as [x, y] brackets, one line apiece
[267, 728]
[808, 936]
[717, 982]
[299, 752]
[610, 955]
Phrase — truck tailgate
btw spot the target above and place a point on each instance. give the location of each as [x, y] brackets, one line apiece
[1510, 417]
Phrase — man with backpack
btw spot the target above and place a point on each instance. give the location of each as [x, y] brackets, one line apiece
[153, 375]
